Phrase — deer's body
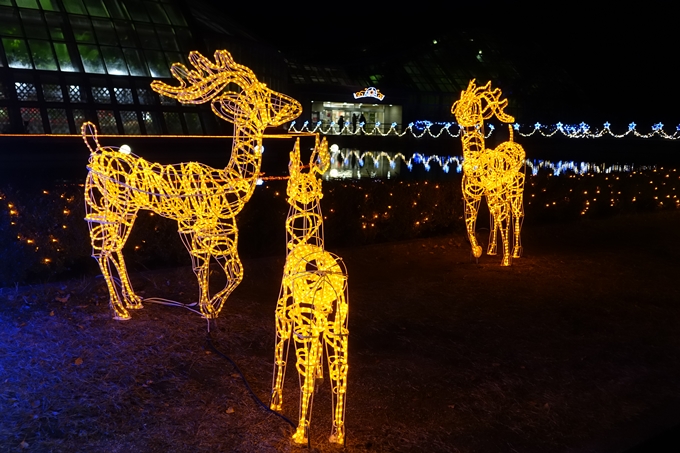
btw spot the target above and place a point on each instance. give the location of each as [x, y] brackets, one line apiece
[203, 200]
[497, 174]
[313, 305]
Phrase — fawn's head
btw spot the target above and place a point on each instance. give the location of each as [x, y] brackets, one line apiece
[306, 187]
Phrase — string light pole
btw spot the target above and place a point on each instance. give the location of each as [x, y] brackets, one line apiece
[313, 302]
[203, 200]
[496, 174]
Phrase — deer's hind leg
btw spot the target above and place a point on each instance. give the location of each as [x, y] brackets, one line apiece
[108, 233]
[517, 203]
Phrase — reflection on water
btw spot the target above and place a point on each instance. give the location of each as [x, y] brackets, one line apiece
[347, 164]
[581, 168]
[354, 164]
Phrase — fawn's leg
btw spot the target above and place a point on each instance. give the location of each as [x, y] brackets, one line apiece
[306, 351]
[336, 338]
[283, 330]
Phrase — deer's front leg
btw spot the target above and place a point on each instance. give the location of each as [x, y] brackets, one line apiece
[200, 263]
[502, 214]
[472, 196]
[494, 225]
[222, 245]
[494, 202]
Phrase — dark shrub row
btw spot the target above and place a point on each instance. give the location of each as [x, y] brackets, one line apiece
[43, 236]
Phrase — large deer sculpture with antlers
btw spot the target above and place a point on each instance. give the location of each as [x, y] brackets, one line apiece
[203, 200]
[497, 174]
[313, 304]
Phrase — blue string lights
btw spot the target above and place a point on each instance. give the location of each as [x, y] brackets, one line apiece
[420, 129]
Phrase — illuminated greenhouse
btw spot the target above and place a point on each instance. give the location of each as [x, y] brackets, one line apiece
[64, 62]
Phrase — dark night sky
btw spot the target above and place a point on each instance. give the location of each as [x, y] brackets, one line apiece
[622, 59]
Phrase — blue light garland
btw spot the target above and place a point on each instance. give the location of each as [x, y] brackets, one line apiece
[420, 129]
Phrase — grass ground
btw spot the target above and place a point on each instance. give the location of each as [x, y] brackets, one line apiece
[576, 347]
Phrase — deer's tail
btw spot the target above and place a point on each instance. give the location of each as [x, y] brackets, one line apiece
[89, 132]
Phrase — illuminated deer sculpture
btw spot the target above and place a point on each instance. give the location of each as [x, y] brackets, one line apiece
[203, 200]
[497, 174]
[313, 304]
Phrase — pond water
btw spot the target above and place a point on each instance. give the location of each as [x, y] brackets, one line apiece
[355, 164]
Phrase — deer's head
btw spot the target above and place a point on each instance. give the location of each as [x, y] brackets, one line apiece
[209, 82]
[477, 104]
[306, 187]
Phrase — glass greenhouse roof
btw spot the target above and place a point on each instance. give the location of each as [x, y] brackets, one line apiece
[116, 37]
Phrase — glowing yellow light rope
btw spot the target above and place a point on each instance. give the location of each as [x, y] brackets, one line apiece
[497, 174]
[313, 303]
[203, 200]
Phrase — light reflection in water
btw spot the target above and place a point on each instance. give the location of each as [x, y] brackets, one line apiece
[354, 164]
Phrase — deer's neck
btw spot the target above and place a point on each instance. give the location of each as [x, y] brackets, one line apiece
[473, 141]
[245, 162]
[304, 224]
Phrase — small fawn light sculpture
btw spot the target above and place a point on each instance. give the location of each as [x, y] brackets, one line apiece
[313, 303]
[203, 200]
[497, 174]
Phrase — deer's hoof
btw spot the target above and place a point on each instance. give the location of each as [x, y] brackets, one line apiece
[336, 439]
[299, 436]
[476, 251]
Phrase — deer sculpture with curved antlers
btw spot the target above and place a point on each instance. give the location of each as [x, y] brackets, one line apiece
[203, 200]
[497, 174]
[313, 305]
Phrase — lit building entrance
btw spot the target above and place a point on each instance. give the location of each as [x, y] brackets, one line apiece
[345, 112]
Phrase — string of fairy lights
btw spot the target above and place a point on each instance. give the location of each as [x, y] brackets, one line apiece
[420, 129]
[545, 192]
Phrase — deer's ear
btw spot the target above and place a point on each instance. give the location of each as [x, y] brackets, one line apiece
[321, 158]
[228, 106]
[294, 165]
